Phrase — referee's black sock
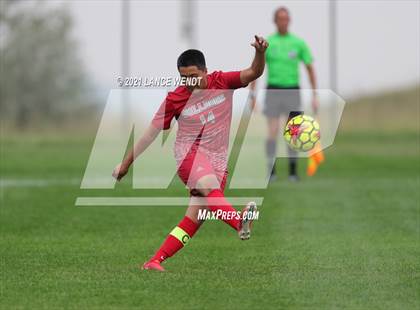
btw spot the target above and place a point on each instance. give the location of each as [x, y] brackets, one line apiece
[292, 162]
[270, 150]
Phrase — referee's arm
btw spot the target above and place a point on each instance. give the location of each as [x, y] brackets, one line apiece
[312, 80]
[307, 59]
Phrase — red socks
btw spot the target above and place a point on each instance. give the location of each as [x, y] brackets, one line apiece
[177, 238]
[186, 229]
[216, 201]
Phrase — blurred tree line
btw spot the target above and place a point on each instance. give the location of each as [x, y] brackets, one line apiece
[41, 77]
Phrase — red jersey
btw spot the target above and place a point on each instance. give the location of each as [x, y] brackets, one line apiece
[204, 118]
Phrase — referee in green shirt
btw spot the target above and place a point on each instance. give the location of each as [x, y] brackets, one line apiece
[283, 56]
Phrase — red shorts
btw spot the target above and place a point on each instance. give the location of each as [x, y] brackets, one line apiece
[197, 165]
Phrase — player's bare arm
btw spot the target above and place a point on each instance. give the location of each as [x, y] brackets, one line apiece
[257, 67]
[142, 144]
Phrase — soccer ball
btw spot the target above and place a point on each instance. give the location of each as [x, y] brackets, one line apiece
[302, 133]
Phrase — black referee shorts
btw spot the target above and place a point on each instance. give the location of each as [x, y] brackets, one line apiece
[281, 101]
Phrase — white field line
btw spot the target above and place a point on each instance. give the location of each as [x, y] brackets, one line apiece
[5, 183]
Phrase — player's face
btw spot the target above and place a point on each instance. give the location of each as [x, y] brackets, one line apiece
[282, 21]
[194, 72]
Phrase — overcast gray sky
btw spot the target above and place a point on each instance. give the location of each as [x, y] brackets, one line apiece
[378, 41]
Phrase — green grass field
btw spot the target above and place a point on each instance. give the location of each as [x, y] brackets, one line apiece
[348, 238]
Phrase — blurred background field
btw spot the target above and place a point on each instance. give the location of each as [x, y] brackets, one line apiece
[346, 238]
[389, 111]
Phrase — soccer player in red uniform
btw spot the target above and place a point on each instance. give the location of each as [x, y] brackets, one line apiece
[203, 112]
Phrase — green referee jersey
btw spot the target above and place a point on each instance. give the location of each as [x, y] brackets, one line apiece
[283, 56]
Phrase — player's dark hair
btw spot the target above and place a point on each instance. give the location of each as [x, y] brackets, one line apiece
[192, 58]
[278, 10]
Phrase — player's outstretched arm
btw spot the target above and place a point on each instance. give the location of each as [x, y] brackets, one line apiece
[148, 137]
[258, 64]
